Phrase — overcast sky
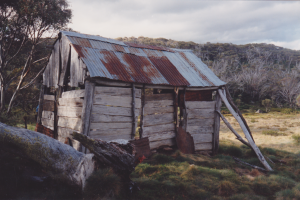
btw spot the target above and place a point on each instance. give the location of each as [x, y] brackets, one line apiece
[237, 22]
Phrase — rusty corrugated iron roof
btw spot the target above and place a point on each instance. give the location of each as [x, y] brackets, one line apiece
[116, 60]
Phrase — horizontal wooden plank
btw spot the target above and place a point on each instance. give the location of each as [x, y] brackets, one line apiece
[199, 129]
[202, 138]
[167, 142]
[162, 103]
[200, 104]
[161, 136]
[120, 101]
[149, 130]
[201, 113]
[48, 123]
[65, 132]
[66, 111]
[73, 94]
[48, 115]
[203, 146]
[200, 122]
[71, 123]
[49, 97]
[110, 118]
[105, 126]
[61, 139]
[73, 102]
[153, 120]
[112, 137]
[110, 110]
[48, 105]
[157, 110]
[107, 132]
[158, 97]
[116, 91]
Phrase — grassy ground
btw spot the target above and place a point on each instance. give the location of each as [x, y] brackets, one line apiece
[275, 130]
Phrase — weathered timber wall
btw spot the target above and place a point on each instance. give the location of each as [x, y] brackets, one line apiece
[200, 123]
[159, 120]
[111, 116]
[69, 116]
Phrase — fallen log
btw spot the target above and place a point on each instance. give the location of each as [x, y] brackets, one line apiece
[61, 161]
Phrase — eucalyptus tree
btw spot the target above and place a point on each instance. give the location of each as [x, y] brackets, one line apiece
[26, 22]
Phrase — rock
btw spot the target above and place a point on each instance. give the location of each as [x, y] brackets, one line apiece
[258, 111]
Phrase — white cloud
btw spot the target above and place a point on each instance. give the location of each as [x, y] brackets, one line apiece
[237, 22]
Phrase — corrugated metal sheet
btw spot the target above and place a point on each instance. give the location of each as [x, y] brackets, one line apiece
[112, 59]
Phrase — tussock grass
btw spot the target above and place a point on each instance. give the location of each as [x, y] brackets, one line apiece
[273, 133]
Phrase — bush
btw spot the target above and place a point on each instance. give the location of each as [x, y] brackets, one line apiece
[296, 138]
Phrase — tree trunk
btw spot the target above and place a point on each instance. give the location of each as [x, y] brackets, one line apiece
[61, 161]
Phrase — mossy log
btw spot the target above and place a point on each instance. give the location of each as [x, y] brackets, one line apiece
[61, 161]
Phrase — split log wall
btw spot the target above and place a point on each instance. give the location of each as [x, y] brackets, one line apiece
[69, 115]
[200, 123]
[159, 120]
[111, 116]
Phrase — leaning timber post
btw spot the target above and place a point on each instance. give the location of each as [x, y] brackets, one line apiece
[216, 123]
[133, 112]
[87, 109]
[142, 114]
[40, 110]
[246, 132]
[58, 94]
[175, 102]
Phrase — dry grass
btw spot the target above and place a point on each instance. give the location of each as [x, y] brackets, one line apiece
[286, 125]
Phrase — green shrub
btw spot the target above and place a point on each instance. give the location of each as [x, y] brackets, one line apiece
[287, 110]
[296, 138]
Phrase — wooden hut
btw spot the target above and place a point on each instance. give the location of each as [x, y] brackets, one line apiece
[110, 90]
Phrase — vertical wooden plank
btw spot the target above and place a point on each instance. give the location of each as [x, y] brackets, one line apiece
[217, 124]
[185, 111]
[57, 96]
[87, 109]
[176, 108]
[74, 68]
[142, 113]
[65, 59]
[56, 62]
[133, 112]
[40, 111]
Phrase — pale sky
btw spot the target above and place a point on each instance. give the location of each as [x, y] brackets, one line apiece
[237, 22]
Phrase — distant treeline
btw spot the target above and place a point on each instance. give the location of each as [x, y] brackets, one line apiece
[253, 72]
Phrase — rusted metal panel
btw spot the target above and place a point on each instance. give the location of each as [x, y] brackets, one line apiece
[200, 95]
[185, 142]
[127, 62]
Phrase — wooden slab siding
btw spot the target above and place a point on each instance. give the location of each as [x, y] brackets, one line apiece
[206, 113]
[203, 146]
[55, 65]
[67, 111]
[73, 102]
[110, 118]
[119, 101]
[148, 130]
[162, 103]
[202, 138]
[49, 97]
[48, 115]
[108, 132]
[158, 97]
[159, 110]
[153, 120]
[48, 105]
[112, 137]
[109, 110]
[200, 129]
[161, 136]
[167, 142]
[115, 91]
[201, 122]
[48, 123]
[73, 94]
[71, 123]
[64, 50]
[65, 132]
[106, 126]
[200, 104]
